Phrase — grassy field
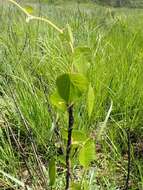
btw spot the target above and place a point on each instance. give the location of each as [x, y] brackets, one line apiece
[32, 55]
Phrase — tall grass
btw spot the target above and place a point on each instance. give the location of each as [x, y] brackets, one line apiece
[33, 55]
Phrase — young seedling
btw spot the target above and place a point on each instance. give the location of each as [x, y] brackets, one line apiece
[70, 87]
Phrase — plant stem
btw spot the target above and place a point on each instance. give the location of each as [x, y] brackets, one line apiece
[21, 8]
[129, 161]
[32, 17]
[69, 143]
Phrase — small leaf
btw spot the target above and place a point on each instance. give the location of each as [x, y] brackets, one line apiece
[52, 172]
[87, 153]
[29, 9]
[90, 100]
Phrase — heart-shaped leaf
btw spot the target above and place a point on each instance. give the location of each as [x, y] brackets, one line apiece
[71, 86]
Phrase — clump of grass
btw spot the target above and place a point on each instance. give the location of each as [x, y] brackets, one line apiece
[31, 61]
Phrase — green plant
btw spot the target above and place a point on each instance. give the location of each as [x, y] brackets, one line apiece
[70, 87]
[32, 57]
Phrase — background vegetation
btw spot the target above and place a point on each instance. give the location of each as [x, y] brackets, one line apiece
[32, 55]
[114, 3]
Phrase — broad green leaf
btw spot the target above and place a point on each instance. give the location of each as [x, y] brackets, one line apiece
[52, 172]
[90, 100]
[78, 137]
[71, 86]
[79, 81]
[82, 59]
[63, 86]
[75, 93]
[87, 153]
[57, 101]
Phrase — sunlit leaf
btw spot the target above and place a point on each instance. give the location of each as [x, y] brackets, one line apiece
[71, 86]
[79, 81]
[63, 86]
[57, 101]
[87, 153]
[29, 9]
[78, 137]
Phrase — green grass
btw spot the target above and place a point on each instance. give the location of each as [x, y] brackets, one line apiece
[32, 55]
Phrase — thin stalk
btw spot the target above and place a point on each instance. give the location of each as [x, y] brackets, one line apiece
[21, 8]
[71, 46]
[32, 17]
[69, 143]
[47, 21]
[129, 161]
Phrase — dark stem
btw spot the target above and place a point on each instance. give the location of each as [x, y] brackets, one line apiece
[129, 160]
[69, 143]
